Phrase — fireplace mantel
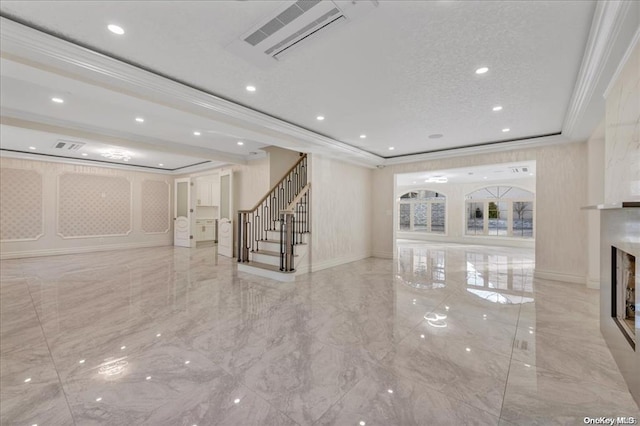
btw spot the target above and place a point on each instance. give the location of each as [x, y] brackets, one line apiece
[616, 205]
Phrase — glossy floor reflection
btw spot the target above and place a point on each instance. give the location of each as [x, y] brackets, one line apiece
[445, 334]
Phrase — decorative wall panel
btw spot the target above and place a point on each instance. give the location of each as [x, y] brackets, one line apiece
[155, 206]
[20, 205]
[92, 205]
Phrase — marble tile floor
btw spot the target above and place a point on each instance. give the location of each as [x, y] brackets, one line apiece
[445, 334]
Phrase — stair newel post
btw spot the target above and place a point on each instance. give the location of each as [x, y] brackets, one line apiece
[286, 240]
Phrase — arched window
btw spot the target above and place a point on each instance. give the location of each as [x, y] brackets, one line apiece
[500, 211]
[422, 211]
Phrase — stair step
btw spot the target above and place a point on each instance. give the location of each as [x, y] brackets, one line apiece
[269, 253]
[278, 242]
[263, 266]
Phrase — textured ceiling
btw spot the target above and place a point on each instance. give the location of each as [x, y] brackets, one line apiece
[397, 74]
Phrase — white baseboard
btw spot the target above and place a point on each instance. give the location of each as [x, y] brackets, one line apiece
[382, 254]
[593, 283]
[558, 276]
[267, 273]
[318, 266]
[77, 250]
[469, 240]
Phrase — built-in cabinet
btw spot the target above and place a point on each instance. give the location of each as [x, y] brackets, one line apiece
[207, 189]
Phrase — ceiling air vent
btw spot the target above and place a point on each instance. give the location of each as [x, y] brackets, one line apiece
[293, 26]
[68, 145]
[520, 169]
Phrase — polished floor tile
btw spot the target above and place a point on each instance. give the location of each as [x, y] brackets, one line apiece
[444, 334]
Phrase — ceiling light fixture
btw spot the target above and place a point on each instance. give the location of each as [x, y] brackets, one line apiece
[140, 119]
[58, 100]
[482, 70]
[497, 108]
[196, 133]
[116, 29]
[391, 148]
[251, 88]
[240, 143]
[437, 179]
[117, 154]
[436, 136]
[33, 148]
[84, 154]
[363, 136]
[160, 164]
[320, 117]
[506, 130]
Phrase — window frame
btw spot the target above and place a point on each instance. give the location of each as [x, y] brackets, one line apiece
[509, 210]
[429, 215]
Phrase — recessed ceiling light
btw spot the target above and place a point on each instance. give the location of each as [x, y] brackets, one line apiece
[414, 181]
[391, 148]
[140, 119]
[240, 143]
[482, 70]
[251, 88]
[484, 177]
[115, 29]
[84, 154]
[32, 148]
[505, 130]
[58, 100]
[363, 136]
[436, 136]
[320, 118]
[160, 164]
[125, 159]
[196, 133]
[497, 108]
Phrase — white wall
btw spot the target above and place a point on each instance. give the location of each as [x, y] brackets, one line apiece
[622, 152]
[128, 224]
[341, 212]
[455, 223]
[280, 161]
[560, 193]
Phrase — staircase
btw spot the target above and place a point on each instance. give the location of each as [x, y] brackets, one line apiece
[273, 237]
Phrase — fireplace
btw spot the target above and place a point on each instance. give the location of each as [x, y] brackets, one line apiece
[623, 293]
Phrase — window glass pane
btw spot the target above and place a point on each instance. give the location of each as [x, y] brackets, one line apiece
[420, 217]
[437, 217]
[409, 195]
[475, 220]
[404, 215]
[523, 218]
[497, 218]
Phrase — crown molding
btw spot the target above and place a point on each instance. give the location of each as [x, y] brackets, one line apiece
[15, 118]
[623, 62]
[23, 43]
[481, 149]
[607, 20]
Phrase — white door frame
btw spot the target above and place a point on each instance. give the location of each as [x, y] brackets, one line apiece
[183, 225]
[226, 229]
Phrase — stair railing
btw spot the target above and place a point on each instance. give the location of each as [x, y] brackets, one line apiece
[294, 221]
[254, 224]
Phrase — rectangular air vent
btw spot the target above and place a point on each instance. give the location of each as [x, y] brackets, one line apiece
[68, 145]
[294, 26]
[520, 169]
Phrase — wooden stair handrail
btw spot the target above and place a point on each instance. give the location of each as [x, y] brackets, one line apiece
[295, 201]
